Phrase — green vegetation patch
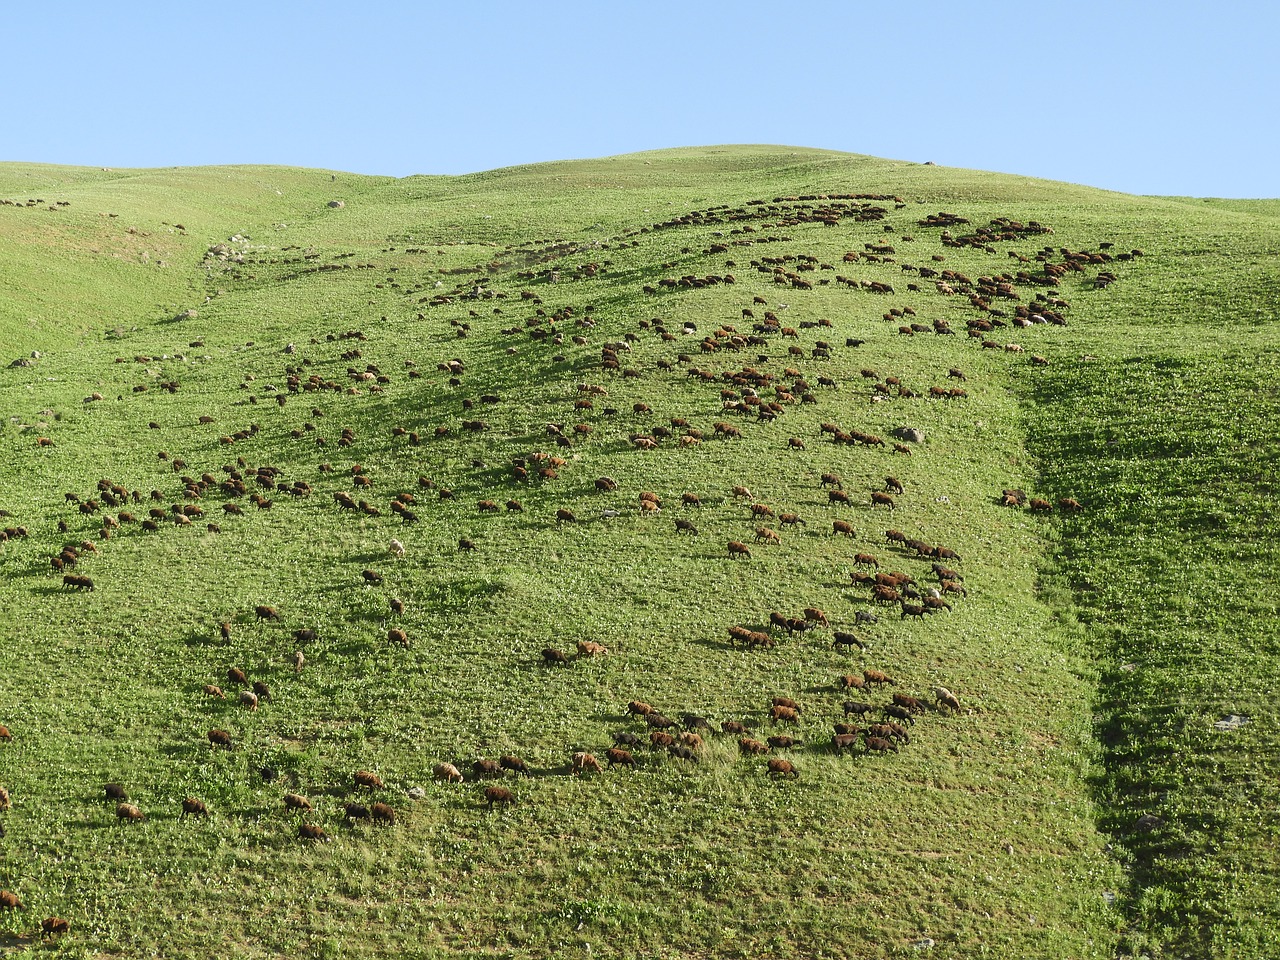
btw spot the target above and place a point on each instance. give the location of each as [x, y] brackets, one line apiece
[420, 420]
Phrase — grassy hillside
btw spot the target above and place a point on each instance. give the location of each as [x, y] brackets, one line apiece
[410, 349]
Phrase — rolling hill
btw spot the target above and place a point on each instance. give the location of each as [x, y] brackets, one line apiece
[577, 457]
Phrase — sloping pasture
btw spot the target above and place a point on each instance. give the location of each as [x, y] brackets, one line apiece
[406, 352]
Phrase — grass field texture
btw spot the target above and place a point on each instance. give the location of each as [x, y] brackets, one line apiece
[406, 344]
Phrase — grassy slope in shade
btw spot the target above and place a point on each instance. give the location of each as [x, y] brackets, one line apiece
[1171, 573]
[981, 834]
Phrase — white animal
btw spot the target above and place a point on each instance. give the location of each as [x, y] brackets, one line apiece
[396, 548]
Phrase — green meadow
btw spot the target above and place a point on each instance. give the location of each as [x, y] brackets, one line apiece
[200, 366]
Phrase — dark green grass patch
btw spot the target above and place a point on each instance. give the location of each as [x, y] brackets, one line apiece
[1169, 570]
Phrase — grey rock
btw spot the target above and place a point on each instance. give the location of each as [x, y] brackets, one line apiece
[1148, 822]
[1232, 721]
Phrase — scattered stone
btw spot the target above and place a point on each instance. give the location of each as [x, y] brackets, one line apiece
[924, 943]
[1232, 721]
[1148, 822]
[336, 204]
[909, 434]
[417, 793]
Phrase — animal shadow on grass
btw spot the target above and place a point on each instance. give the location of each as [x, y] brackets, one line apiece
[49, 589]
[196, 750]
[372, 556]
[370, 615]
[253, 814]
[356, 647]
[197, 638]
[531, 773]
[542, 772]
[107, 819]
[710, 644]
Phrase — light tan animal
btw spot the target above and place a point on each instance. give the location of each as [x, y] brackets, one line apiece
[127, 811]
[447, 772]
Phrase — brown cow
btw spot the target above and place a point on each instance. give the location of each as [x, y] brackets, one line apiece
[880, 744]
[843, 741]
[495, 794]
[883, 594]
[781, 713]
[616, 755]
[219, 738]
[912, 610]
[911, 703]
[447, 772]
[51, 926]
[814, 615]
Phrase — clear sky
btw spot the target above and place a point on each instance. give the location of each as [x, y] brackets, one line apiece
[1177, 97]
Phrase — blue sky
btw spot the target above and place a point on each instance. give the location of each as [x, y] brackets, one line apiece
[1152, 98]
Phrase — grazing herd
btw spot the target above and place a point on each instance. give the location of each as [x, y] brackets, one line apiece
[749, 396]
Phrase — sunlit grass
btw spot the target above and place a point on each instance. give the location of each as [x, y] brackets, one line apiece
[986, 834]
